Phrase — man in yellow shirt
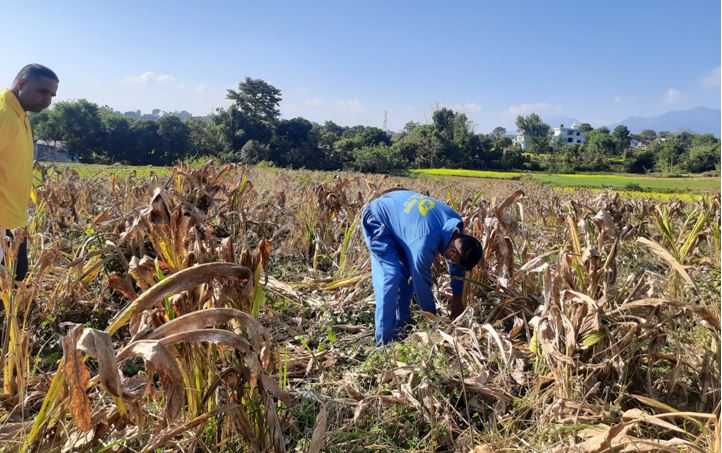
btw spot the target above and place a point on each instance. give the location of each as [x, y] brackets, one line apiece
[32, 91]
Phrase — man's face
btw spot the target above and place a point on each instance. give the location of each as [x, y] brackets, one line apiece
[452, 252]
[35, 95]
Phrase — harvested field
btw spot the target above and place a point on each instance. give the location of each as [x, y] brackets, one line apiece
[228, 308]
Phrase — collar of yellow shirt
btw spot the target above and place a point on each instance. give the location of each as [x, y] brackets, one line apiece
[14, 102]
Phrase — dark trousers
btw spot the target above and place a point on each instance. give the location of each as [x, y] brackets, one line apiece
[21, 268]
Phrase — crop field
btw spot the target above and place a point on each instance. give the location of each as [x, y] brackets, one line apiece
[471, 173]
[229, 308]
[691, 185]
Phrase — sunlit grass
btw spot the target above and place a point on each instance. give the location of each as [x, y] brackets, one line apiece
[666, 196]
[471, 173]
[632, 183]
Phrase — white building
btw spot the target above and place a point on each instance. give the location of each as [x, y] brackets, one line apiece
[522, 141]
[567, 135]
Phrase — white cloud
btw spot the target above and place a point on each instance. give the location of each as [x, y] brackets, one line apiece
[313, 101]
[351, 106]
[150, 76]
[712, 78]
[673, 96]
[201, 89]
[617, 99]
[523, 109]
[467, 107]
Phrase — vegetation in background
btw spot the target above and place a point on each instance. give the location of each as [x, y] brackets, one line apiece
[251, 130]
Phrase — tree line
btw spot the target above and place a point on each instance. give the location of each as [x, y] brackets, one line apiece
[252, 131]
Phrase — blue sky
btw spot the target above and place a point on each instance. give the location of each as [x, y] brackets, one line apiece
[352, 61]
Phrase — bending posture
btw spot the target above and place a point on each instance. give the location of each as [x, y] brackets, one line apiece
[32, 91]
[404, 231]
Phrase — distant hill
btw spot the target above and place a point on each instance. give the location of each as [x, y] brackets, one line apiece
[702, 120]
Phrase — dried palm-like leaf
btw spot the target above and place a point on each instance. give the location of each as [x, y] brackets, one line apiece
[158, 359]
[76, 380]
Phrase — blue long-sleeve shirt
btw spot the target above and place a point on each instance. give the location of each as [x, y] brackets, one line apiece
[422, 226]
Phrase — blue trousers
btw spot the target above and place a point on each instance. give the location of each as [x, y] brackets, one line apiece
[390, 277]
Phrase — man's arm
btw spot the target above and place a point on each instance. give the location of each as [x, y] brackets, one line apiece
[420, 261]
[456, 305]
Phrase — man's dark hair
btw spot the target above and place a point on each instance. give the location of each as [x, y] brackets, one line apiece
[35, 71]
[471, 252]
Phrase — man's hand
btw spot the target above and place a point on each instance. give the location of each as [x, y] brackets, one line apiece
[456, 306]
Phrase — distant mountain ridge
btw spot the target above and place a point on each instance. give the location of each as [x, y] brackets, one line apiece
[701, 120]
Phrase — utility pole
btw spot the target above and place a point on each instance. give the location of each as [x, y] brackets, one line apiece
[386, 120]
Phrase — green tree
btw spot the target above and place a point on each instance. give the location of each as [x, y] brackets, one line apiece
[117, 138]
[648, 135]
[355, 138]
[600, 143]
[703, 157]
[329, 134]
[620, 134]
[147, 142]
[422, 147]
[455, 135]
[257, 100]
[295, 144]
[379, 158]
[704, 139]
[532, 125]
[77, 123]
[671, 154]
[254, 152]
[537, 129]
[641, 161]
[205, 139]
[174, 141]
[498, 132]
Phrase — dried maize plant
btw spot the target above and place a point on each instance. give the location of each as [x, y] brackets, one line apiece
[328, 215]
[204, 372]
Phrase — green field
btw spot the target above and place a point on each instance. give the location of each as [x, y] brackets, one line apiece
[623, 182]
[472, 173]
[693, 184]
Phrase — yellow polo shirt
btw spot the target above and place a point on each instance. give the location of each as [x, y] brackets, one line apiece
[16, 162]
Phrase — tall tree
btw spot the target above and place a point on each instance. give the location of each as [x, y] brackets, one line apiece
[532, 125]
[147, 142]
[175, 141]
[118, 140]
[600, 143]
[537, 129]
[620, 134]
[498, 132]
[295, 144]
[257, 100]
[77, 123]
[648, 135]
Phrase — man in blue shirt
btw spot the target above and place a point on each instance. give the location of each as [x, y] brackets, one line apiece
[404, 231]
